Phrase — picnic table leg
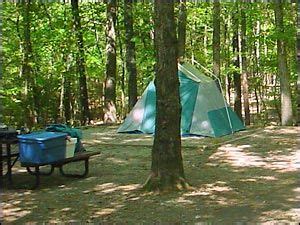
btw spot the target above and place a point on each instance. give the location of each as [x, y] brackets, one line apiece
[86, 170]
[37, 173]
[14, 162]
[86, 166]
[8, 150]
[37, 177]
[40, 172]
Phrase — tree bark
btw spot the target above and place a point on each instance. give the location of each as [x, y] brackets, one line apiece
[283, 73]
[256, 65]
[1, 63]
[182, 20]
[298, 65]
[216, 39]
[122, 108]
[80, 62]
[66, 77]
[236, 63]
[26, 65]
[244, 65]
[167, 167]
[205, 40]
[227, 26]
[130, 54]
[1, 56]
[111, 63]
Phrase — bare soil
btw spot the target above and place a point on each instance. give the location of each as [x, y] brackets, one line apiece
[248, 177]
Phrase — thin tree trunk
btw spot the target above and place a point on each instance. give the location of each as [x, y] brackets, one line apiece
[283, 73]
[62, 82]
[216, 38]
[123, 108]
[244, 65]
[130, 54]
[256, 73]
[192, 43]
[67, 88]
[227, 54]
[257, 45]
[67, 98]
[236, 63]
[84, 100]
[265, 41]
[61, 98]
[26, 68]
[98, 84]
[96, 37]
[66, 77]
[167, 168]
[257, 100]
[182, 20]
[205, 38]
[111, 64]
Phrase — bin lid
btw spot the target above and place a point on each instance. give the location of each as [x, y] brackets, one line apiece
[41, 136]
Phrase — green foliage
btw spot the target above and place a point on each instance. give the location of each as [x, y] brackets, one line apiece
[54, 52]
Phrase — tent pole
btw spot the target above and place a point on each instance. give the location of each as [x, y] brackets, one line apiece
[226, 108]
[219, 82]
[191, 74]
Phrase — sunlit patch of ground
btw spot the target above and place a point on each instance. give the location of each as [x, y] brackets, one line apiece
[248, 177]
[262, 151]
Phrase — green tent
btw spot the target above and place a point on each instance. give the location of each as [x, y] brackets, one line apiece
[204, 109]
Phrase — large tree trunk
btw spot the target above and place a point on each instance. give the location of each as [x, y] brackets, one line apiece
[80, 62]
[244, 65]
[1, 68]
[236, 63]
[167, 167]
[298, 66]
[130, 54]
[216, 39]
[111, 63]
[283, 73]
[182, 17]
[1, 55]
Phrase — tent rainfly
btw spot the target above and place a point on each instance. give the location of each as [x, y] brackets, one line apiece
[204, 109]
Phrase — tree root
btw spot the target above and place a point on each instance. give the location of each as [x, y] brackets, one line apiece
[155, 183]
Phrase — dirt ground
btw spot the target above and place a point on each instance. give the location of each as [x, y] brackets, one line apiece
[248, 177]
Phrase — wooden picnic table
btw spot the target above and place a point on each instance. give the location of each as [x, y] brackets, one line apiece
[9, 157]
[80, 156]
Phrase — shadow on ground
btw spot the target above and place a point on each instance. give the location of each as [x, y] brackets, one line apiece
[236, 179]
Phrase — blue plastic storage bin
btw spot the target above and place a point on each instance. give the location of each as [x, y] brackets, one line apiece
[42, 147]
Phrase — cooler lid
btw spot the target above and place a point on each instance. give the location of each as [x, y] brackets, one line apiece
[41, 136]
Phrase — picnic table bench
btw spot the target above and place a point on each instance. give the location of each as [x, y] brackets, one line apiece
[80, 156]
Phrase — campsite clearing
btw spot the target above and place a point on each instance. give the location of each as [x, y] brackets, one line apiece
[251, 176]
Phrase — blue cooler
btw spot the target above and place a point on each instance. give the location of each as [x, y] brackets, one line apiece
[42, 147]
